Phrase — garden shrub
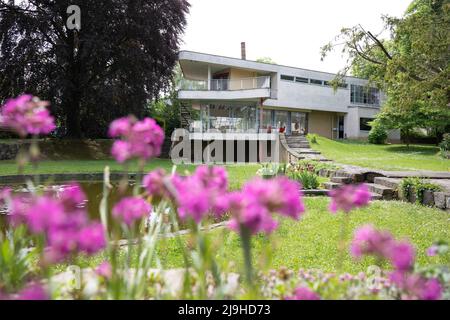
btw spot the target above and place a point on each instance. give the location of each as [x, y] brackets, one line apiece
[308, 179]
[378, 134]
[416, 186]
[445, 146]
[312, 138]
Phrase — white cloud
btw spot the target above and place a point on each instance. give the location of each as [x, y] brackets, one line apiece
[291, 32]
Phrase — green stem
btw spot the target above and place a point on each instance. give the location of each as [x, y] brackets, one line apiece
[246, 247]
[342, 241]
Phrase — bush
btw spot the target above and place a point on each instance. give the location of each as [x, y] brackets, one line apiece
[378, 134]
[416, 187]
[308, 179]
[445, 146]
[312, 138]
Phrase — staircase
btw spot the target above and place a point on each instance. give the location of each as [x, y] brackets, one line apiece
[300, 145]
[380, 189]
[185, 116]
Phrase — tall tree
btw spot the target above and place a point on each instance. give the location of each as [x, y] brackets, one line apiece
[411, 65]
[120, 59]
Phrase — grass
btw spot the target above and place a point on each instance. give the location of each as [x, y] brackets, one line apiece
[385, 157]
[312, 242]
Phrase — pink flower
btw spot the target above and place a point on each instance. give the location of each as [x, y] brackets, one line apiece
[64, 224]
[253, 207]
[433, 251]
[104, 270]
[402, 255]
[5, 194]
[255, 218]
[121, 151]
[44, 214]
[91, 239]
[213, 177]
[304, 293]
[72, 196]
[27, 115]
[202, 193]
[33, 292]
[131, 209]
[415, 286]
[369, 241]
[349, 197]
[279, 195]
[154, 183]
[139, 139]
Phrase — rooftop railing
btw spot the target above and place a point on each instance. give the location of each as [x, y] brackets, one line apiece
[226, 84]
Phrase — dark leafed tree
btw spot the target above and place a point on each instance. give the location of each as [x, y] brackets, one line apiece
[121, 58]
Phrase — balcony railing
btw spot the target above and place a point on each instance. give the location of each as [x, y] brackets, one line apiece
[226, 84]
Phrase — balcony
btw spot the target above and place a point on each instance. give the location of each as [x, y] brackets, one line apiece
[225, 89]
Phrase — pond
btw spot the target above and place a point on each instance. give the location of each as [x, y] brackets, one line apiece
[94, 194]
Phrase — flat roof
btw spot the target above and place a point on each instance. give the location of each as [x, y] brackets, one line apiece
[265, 64]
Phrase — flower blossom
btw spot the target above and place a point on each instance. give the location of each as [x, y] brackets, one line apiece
[369, 241]
[349, 197]
[104, 270]
[304, 293]
[139, 139]
[131, 209]
[153, 183]
[33, 292]
[201, 193]
[259, 199]
[65, 225]
[415, 286]
[27, 115]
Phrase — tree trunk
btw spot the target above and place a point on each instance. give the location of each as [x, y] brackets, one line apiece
[72, 108]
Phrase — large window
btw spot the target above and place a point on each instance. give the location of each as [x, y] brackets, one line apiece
[266, 121]
[281, 119]
[229, 118]
[364, 124]
[364, 95]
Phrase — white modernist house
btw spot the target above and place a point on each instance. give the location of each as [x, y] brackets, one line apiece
[241, 96]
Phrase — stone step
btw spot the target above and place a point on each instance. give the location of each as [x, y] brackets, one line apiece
[342, 180]
[388, 182]
[376, 196]
[386, 192]
[332, 185]
[305, 151]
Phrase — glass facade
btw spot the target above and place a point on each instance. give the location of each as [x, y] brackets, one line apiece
[281, 120]
[299, 123]
[228, 118]
[364, 95]
[248, 118]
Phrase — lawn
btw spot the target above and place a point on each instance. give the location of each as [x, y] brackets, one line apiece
[387, 157]
[312, 242]
[238, 174]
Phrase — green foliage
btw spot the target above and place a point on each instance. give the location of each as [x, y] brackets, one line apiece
[411, 66]
[271, 170]
[266, 60]
[312, 138]
[444, 146]
[377, 134]
[308, 179]
[316, 166]
[15, 260]
[416, 187]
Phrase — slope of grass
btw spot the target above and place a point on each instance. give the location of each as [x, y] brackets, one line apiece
[386, 157]
[312, 242]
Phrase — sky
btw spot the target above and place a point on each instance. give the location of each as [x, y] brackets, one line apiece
[291, 32]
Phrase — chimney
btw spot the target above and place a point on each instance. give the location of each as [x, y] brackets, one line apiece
[243, 51]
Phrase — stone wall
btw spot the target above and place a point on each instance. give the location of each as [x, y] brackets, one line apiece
[8, 151]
